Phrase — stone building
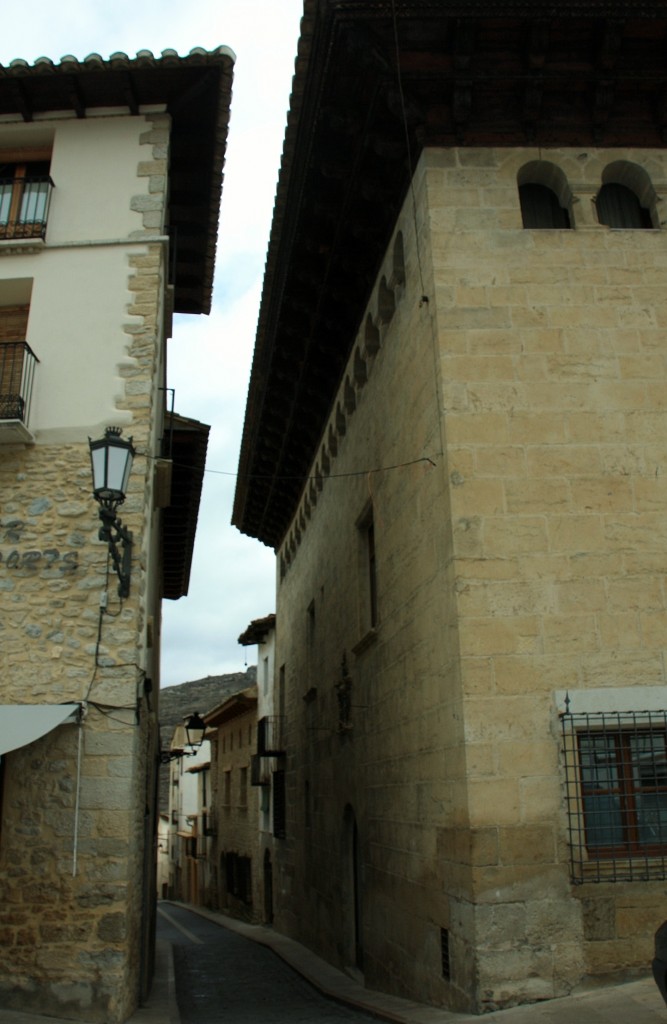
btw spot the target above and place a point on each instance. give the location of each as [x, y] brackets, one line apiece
[232, 821]
[111, 176]
[267, 768]
[455, 442]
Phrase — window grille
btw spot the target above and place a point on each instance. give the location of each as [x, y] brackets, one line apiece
[616, 795]
[270, 736]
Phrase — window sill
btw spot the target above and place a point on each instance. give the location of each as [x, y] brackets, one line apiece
[19, 246]
[15, 432]
[367, 640]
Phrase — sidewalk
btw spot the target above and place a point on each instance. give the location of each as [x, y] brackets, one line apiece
[636, 1002]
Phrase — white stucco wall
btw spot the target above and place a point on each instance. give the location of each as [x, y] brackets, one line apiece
[80, 276]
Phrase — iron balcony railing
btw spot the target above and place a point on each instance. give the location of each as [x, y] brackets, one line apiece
[24, 206]
[270, 741]
[258, 777]
[17, 372]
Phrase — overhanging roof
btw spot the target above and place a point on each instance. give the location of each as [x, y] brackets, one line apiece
[185, 443]
[196, 91]
[257, 630]
[472, 73]
[235, 706]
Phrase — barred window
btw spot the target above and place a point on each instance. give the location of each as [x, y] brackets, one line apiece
[616, 781]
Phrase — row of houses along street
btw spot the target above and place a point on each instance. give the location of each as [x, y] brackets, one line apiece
[450, 777]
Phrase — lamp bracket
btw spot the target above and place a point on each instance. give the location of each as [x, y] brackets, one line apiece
[113, 532]
[166, 756]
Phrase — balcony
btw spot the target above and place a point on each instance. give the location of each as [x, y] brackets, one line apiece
[270, 742]
[258, 777]
[209, 823]
[17, 371]
[24, 206]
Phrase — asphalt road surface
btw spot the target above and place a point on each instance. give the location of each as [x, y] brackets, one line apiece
[224, 978]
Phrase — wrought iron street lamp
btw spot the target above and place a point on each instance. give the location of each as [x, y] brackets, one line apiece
[111, 461]
[195, 727]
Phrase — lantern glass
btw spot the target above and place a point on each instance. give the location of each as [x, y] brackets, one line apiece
[195, 727]
[111, 461]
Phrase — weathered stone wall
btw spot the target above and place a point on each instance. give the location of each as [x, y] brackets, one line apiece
[68, 883]
[503, 415]
[76, 849]
[369, 786]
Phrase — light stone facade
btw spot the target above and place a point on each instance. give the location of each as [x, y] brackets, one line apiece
[501, 425]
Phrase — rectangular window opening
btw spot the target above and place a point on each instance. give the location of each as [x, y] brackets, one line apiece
[279, 805]
[25, 192]
[17, 363]
[372, 579]
[616, 794]
[368, 587]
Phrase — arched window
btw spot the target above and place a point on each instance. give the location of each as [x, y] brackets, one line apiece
[619, 207]
[545, 195]
[540, 207]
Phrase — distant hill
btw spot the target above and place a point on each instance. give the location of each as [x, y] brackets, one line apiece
[202, 695]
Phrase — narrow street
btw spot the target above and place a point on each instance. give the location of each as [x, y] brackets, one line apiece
[224, 977]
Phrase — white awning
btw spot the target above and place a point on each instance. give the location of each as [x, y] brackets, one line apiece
[21, 724]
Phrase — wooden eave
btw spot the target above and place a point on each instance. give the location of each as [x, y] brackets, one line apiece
[185, 443]
[472, 73]
[234, 707]
[257, 630]
[195, 90]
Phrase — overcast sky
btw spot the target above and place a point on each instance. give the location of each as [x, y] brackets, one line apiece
[233, 577]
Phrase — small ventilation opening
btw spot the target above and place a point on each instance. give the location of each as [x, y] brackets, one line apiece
[444, 954]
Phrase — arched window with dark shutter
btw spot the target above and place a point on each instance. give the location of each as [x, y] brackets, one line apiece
[619, 207]
[540, 207]
[627, 198]
[544, 195]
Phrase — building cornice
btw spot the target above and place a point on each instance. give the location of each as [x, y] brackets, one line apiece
[370, 92]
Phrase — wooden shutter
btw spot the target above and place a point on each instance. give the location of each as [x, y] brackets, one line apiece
[13, 323]
[13, 328]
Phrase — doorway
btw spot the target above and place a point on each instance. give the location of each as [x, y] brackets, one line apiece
[353, 890]
[268, 888]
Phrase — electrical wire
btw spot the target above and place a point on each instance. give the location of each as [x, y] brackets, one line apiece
[309, 477]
